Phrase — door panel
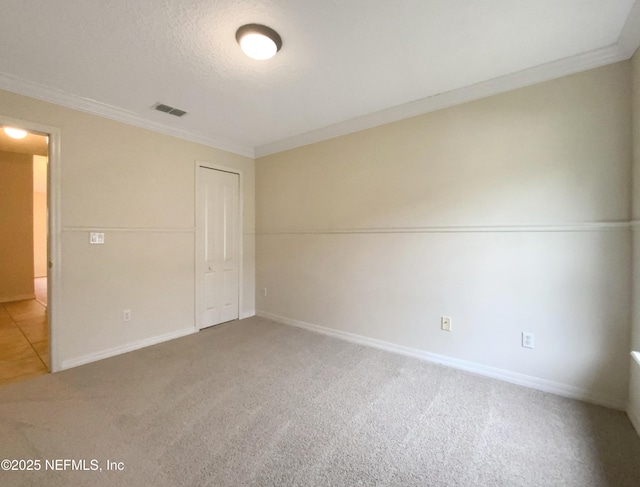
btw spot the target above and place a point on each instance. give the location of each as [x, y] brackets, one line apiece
[210, 288]
[217, 239]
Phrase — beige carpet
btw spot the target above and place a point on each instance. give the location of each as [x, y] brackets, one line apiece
[255, 403]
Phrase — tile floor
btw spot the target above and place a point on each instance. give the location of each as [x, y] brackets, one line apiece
[24, 340]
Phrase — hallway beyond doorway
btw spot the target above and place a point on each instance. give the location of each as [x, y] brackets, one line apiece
[24, 340]
[40, 289]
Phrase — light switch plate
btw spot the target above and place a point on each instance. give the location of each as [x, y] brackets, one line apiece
[96, 238]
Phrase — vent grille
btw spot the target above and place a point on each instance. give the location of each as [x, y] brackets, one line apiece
[161, 107]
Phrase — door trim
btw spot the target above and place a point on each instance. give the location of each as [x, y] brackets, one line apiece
[54, 254]
[239, 172]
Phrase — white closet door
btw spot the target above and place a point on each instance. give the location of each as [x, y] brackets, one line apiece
[217, 259]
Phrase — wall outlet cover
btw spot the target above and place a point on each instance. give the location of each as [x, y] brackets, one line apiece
[445, 323]
[528, 339]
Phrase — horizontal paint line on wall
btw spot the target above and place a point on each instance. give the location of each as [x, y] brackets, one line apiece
[138, 229]
[517, 378]
[569, 227]
[129, 229]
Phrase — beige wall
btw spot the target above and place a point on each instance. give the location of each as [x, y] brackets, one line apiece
[138, 187]
[16, 231]
[18, 214]
[39, 234]
[40, 216]
[634, 386]
[381, 232]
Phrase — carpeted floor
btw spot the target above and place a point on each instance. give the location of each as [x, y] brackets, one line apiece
[255, 403]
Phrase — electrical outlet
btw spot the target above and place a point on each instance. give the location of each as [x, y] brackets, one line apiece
[528, 340]
[445, 323]
[264, 292]
[126, 315]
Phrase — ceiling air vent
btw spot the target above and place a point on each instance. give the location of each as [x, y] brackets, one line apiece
[167, 109]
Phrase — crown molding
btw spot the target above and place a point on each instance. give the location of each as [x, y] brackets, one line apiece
[59, 97]
[622, 50]
[630, 37]
[495, 86]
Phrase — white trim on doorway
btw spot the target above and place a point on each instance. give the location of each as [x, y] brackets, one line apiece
[240, 174]
[54, 273]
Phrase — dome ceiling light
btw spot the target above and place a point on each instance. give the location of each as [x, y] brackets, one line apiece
[15, 133]
[258, 41]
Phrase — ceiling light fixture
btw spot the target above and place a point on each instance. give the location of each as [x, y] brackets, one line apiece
[258, 41]
[15, 133]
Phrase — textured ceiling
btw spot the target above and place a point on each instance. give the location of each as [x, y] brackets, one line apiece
[340, 60]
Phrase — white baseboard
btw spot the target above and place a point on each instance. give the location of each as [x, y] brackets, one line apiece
[544, 385]
[635, 420]
[129, 347]
[19, 297]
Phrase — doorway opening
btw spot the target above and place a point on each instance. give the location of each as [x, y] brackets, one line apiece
[25, 243]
